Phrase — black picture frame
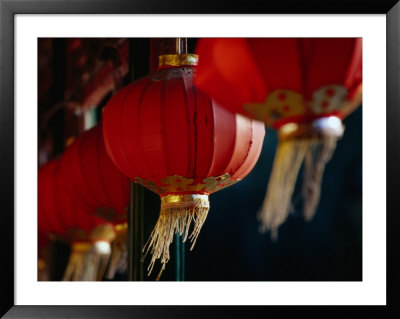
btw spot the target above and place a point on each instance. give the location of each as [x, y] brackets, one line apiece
[8, 10]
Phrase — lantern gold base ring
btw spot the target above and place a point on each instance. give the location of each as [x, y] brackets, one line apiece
[176, 215]
[311, 144]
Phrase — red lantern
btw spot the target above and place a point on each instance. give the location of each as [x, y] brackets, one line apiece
[301, 87]
[97, 187]
[92, 180]
[173, 139]
[88, 235]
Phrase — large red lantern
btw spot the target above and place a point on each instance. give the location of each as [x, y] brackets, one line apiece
[173, 139]
[97, 187]
[301, 87]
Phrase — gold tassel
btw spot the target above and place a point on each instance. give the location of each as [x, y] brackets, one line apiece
[277, 203]
[317, 156]
[87, 261]
[119, 251]
[312, 144]
[44, 257]
[176, 215]
[43, 269]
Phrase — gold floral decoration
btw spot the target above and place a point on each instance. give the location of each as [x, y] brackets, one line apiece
[282, 104]
[177, 183]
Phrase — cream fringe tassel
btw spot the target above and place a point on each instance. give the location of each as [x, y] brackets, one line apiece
[119, 253]
[175, 216]
[290, 155]
[314, 164]
[87, 261]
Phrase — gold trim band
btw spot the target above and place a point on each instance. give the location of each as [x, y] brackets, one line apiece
[82, 246]
[121, 227]
[177, 59]
[185, 200]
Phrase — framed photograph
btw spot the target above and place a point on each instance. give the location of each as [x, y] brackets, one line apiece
[363, 275]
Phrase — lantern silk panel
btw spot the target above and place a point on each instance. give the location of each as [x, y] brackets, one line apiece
[92, 180]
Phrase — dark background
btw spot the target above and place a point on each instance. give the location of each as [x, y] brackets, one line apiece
[329, 247]
[230, 246]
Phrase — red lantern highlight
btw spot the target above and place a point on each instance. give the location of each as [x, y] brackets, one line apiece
[170, 137]
[302, 87]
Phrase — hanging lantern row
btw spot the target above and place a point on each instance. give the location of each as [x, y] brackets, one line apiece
[83, 200]
[170, 137]
[301, 87]
[167, 133]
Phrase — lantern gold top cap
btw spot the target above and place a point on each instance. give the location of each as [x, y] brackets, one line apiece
[177, 59]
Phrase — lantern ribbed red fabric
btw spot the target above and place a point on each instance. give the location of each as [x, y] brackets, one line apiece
[88, 235]
[57, 213]
[170, 137]
[301, 86]
[92, 180]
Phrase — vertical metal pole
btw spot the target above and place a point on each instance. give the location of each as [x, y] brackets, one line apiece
[181, 48]
[140, 191]
[179, 258]
[140, 63]
[138, 66]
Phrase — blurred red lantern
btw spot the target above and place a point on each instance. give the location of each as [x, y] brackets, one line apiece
[301, 87]
[89, 236]
[97, 187]
[92, 180]
[173, 139]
